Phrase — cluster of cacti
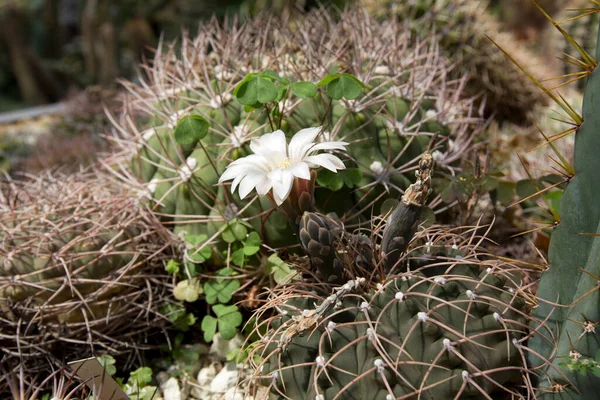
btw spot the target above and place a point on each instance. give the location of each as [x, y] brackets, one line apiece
[454, 327]
[77, 262]
[388, 100]
[463, 28]
[568, 290]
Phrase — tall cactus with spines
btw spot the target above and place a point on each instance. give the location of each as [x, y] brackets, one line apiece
[77, 262]
[568, 290]
[407, 100]
[463, 27]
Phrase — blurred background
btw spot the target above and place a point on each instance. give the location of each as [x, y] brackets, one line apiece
[68, 55]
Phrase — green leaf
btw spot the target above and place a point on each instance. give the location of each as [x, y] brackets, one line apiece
[108, 363]
[172, 267]
[140, 377]
[304, 90]
[354, 79]
[195, 240]
[238, 257]
[190, 129]
[229, 318]
[281, 92]
[209, 327]
[256, 89]
[327, 79]
[346, 86]
[239, 231]
[281, 271]
[351, 176]
[188, 290]
[252, 244]
[270, 74]
[220, 289]
[330, 179]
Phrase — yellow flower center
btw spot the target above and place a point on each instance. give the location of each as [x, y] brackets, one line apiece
[286, 163]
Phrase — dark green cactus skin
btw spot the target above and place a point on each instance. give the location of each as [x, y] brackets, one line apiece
[392, 329]
[574, 260]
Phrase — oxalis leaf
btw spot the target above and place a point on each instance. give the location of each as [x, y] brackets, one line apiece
[256, 89]
[281, 271]
[227, 321]
[190, 129]
[220, 289]
[346, 86]
[304, 90]
[188, 290]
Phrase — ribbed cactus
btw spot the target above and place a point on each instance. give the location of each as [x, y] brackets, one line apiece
[457, 335]
[76, 259]
[568, 290]
[452, 326]
[463, 27]
[407, 100]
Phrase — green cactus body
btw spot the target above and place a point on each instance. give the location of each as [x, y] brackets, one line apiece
[462, 27]
[444, 337]
[574, 262]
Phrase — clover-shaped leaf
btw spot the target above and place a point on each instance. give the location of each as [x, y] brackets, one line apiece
[188, 290]
[330, 180]
[281, 271]
[140, 377]
[199, 251]
[304, 90]
[252, 244]
[234, 231]
[238, 257]
[191, 129]
[342, 86]
[255, 89]
[227, 321]
[172, 267]
[220, 289]
[108, 363]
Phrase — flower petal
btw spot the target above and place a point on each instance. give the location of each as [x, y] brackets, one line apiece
[328, 146]
[270, 145]
[249, 183]
[263, 187]
[282, 188]
[300, 170]
[328, 161]
[300, 140]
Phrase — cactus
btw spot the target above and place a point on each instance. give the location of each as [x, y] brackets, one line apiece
[462, 27]
[444, 337]
[453, 327]
[407, 101]
[76, 253]
[568, 289]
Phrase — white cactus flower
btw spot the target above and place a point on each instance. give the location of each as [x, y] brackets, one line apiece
[275, 164]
